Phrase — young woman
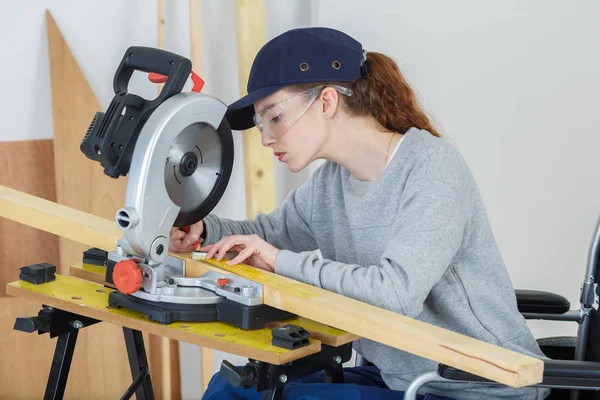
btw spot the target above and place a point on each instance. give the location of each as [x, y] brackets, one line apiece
[394, 211]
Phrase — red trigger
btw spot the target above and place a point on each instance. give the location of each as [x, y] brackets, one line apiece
[198, 83]
[157, 78]
[196, 80]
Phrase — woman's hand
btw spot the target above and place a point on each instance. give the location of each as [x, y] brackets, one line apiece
[252, 250]
[185, 242]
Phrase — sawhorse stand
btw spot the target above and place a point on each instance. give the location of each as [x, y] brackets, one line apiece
[269, 379]
[66, 325]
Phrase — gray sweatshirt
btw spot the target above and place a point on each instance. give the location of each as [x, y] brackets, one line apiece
[417, 241]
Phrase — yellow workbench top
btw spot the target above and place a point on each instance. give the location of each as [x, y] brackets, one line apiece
[91, 300]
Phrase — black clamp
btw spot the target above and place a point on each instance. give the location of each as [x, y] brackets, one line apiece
[290, 337]
[38, 273]
[53, 321]
[95, 256]
[270, 379]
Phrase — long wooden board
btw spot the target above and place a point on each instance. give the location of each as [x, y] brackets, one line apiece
[164, 352]
[393, 329]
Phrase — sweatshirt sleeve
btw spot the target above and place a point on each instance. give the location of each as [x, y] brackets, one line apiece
[286, 227]
[427, 235]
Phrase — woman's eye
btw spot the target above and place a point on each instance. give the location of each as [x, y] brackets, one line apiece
[275, 119]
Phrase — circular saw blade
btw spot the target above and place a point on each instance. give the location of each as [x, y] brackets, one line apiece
[197, 170]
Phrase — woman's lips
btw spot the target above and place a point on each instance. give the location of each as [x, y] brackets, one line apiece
[279, 155]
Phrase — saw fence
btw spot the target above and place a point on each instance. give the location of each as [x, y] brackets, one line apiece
[358, 318]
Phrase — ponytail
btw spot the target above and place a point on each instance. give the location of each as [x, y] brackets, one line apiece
[385, 95]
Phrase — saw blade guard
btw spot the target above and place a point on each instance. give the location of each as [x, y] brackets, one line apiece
[180, 168]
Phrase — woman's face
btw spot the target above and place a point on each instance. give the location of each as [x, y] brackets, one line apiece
[292, 124]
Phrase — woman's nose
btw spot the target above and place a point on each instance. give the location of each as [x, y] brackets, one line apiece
[266, 140]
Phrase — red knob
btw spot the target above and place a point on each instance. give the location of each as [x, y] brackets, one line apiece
[222, 281]
[127, 276]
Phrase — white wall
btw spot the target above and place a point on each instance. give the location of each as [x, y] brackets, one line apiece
[516, 86]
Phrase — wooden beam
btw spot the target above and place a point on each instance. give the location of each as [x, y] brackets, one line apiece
[195, 12]
[258, 160]
[475, 356]
[164, 353]
[66, 222]
[387, 327]
[160, 24]
[207, 368]
[160, 32]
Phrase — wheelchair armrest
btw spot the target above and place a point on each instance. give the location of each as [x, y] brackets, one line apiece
[564, 373]
[535, 301]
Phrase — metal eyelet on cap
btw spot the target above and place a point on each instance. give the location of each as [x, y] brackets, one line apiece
[304, 66]
[336, 64]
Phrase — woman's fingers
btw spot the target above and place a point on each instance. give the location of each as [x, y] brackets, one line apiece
[177, 234]
[194, 234]
[241, 257]
[222, 247]
[229, 243]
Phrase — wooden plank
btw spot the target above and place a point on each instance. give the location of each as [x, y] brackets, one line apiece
[362, 319]
[258, 160]
[160, 31]
[207, 369]
[91, 299]
[387, 327]
[66, 222]
[323, 333]
[164, 352]
[195, 7]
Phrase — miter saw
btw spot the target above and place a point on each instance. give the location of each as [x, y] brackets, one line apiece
[177, 151]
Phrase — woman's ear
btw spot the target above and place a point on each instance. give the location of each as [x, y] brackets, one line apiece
[330, 99]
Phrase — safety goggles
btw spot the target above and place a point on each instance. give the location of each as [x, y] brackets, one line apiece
[275, 120]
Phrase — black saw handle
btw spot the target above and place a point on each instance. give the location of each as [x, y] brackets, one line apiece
[111, 136]
[147, 59]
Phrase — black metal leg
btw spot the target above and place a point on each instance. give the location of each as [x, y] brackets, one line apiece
[273, 394]
[138, 362]
[61, 363]
[334, 374]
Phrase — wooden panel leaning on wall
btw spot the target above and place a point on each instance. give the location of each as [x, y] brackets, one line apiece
[29, 166]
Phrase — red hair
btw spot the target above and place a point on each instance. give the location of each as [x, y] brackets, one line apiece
[383, 94]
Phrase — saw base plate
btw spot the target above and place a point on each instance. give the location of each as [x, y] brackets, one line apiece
[226, 311]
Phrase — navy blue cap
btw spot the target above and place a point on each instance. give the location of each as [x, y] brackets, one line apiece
[297, 56]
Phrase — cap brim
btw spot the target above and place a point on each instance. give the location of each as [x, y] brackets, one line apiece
[239, 114]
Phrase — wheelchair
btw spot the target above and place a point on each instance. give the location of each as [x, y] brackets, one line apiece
[573, 368]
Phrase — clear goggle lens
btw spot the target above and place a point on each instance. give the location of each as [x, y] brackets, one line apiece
[278, 118]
